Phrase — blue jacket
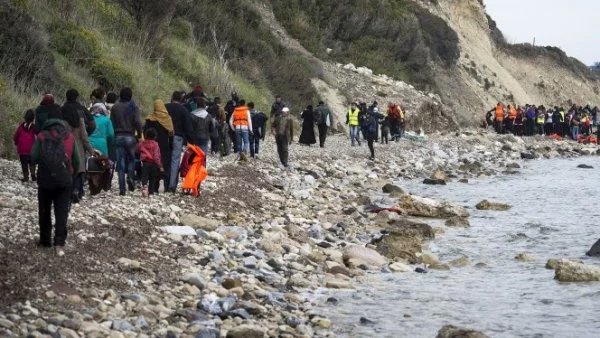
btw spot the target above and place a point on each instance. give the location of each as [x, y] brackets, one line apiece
[103, 138]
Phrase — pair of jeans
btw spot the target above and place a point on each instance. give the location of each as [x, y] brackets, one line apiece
[575, 132]
[322, 134]
[203, 144]
[283, 143]
[242, 140]
[354, 130]
[254, 144]
[175, 162]
[150, 177]
[60, 198]
[125, 148]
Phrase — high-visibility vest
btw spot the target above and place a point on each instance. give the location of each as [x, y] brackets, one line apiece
[541, 118]
[240, 116]
[499, 113]
[353, 117]
[512, 114]
[562, 117]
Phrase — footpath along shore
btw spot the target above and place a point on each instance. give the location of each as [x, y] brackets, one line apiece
[236, 261]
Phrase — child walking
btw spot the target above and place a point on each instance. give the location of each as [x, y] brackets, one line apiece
[151, 162]
[24, 139]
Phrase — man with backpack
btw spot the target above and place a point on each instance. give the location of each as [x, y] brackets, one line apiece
[76, 108]
[127, 123]
[55, 154]
[323, 121]
[259, 129]
[283, 130]
[229, 108]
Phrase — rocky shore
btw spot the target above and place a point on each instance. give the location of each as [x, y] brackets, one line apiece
[241, 260]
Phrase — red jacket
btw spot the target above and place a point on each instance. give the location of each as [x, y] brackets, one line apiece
[150, 152]
[24, 139]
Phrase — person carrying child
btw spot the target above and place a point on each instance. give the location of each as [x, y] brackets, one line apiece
[151, 162]
[24, 139]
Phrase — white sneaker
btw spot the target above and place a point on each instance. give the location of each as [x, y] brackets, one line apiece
[60, 252]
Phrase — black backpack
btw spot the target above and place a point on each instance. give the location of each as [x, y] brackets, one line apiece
[213, 109]
[54, 164]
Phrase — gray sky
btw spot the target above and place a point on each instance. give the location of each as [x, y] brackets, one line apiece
[572, 25]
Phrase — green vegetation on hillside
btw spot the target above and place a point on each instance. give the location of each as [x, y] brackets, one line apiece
[394, 37]
[153, 46]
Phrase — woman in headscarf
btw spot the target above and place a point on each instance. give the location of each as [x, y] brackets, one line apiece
[307, 136]
[161, 121]
[103, 137]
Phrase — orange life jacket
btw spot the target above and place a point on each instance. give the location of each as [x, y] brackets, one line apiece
[512, 113]
[197, 172]
[499, 112]
[240, 116]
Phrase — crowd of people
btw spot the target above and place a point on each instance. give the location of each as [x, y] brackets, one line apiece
[61, 146]
[368, 121]
[577, 123]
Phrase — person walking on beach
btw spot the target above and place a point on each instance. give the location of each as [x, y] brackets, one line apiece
[259, 129]
[56, 155]
[307, 135]
[126, 118]
[352, 120]
[151, 160]
[241, 123]
[162, 123]
[282, 129]
[323, 121]
[24, 139]
[182, 133]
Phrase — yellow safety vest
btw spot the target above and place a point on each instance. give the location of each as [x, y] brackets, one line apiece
[562, 117]
[353, 117]
[541, 119]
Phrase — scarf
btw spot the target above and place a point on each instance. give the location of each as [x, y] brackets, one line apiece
[161, 115]
[99, 109]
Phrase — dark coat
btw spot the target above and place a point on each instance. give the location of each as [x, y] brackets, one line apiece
[307, 136]
[164, 141]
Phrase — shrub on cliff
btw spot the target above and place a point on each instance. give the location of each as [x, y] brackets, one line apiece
[110, 74]
[76, 43]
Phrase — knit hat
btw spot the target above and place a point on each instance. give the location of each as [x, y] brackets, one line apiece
[47, 100]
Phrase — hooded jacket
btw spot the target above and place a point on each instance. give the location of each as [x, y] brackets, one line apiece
[203, 124]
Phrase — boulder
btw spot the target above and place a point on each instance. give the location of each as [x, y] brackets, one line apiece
[356, 256]
[594, 251]
[460, 262]
[427, 207]
[431, 181]
[439, 175]
[523, 257]
[390, 188]
[527, 156]
[403, 239]
[487, 205]
[451, 331]
[400, 267]
[513, 166]
[459, 222]
[198, 222]
[338, 284]
[246, 331]
[569, 271]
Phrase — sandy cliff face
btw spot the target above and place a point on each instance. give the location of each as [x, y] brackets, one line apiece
[487, 73]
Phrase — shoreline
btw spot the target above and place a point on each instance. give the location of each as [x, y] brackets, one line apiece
[264, 235]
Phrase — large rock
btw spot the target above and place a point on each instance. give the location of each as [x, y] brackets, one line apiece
[198, 222]
[356, 256]
[246, 331]
[390, 188]
[459, 222]
[404, 239]
[594, 251]
[487, 205]
[427, 207]
[569, 271]
[451, 331]
[431, 181]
